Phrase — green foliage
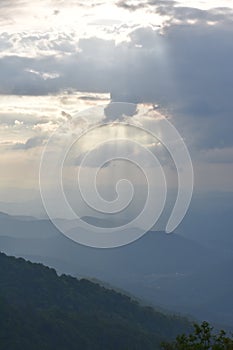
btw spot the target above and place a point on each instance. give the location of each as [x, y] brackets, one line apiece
[203, 338]
[41, 310]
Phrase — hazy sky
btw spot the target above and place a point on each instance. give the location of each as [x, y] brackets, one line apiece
[60, 57]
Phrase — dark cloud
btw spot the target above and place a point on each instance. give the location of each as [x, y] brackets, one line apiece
[130, 6]
[33, 142]
[91, 98]
[66, 115]
[137, 5]
[17, 76]
[115, 111]
[176, 12]
[185, 14]
[187, 71]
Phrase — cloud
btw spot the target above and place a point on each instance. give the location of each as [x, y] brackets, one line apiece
[9, 8]
[137, 4]
[18, 77]
[184, 14]
[177, 13]
[32, 142]
[131, 5]
[118, 112]
[38, 44]
[77, 3]
[181, 71]
[186, 70]
[94, 97]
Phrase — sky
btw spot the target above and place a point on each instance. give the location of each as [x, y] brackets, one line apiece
[60, 58]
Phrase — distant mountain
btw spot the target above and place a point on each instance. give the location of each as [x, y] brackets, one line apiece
[4, 216]
[209, 222]
[99, 222]
[40, 310]
[170, 271]
[26, 226]
[210, 290]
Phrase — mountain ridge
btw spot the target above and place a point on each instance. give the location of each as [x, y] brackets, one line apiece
[50, 311]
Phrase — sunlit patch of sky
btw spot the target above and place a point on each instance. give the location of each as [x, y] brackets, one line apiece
[44, 28]
[22, 117]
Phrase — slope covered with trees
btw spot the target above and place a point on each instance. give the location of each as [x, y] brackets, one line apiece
[41, 310]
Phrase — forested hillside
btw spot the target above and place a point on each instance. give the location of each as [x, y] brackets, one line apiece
[41, 310]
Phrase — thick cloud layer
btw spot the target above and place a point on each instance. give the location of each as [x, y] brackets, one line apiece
[187, 71]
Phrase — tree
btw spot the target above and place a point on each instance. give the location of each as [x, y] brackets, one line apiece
[203, 338]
